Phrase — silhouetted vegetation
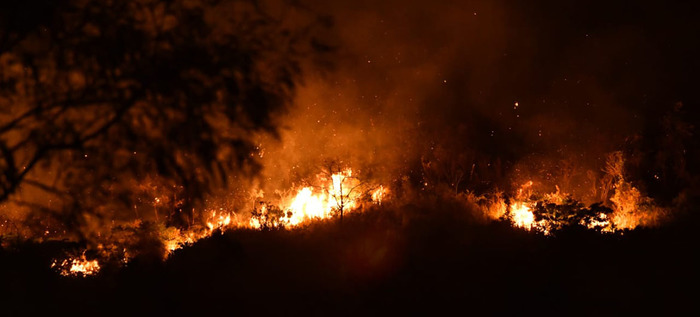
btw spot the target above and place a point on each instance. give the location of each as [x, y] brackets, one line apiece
[429, 256]
[101, 97]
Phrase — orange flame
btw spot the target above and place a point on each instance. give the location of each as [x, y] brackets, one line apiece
[78, 266]
[341, 191]
[522, 216]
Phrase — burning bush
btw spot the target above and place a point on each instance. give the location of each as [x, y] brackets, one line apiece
[76, 265]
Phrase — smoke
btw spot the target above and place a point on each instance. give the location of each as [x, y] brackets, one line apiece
[476, 95]
[490, 93]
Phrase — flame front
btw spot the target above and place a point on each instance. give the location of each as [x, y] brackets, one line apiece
[339, 193]
[342, 192]
[378, 194]
[307, 206]
[547, 213]
[522, 216]
[77, 266]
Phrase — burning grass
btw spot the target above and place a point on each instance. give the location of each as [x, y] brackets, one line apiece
[338, 192]
[552, 212]
[434, 250]
[336, 195]
[76, 266]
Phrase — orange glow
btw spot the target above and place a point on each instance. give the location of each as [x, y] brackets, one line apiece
[307, 205]
[522, 216]
[378, 194]
[77, 266]
[632, 209]
[604, 223]
[329, 194]
[220, 221]
[340, 191]
[628, 209]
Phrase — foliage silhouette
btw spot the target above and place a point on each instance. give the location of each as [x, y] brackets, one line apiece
[100, 97]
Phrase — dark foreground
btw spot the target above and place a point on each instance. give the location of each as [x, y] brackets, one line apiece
[424, 259]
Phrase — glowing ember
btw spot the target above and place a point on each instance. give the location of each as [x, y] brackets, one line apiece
[221, 221]
[627, 209]
[179, 240]
[602, 222]
[78, 266]
[378, 194]
[332, 194]
[522, 216]
[174, 238]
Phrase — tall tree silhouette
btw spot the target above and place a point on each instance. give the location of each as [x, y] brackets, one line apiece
[99, 96]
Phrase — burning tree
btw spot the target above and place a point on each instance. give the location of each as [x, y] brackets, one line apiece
[335, 191]
[345, 186]
[97, 96]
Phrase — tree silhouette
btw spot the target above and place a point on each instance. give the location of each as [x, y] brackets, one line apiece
[345, 188]
[97, 97]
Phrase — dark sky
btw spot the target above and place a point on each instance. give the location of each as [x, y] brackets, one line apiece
[413, 75]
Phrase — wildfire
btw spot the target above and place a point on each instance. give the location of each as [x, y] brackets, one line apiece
[307, 205]
[378, 194]
[603, 223]
[179, 240]
[221, 221]
[547, 213]
[76, 266]
[632, 209]
[174, 239]
[522, 216]
[337, 194]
